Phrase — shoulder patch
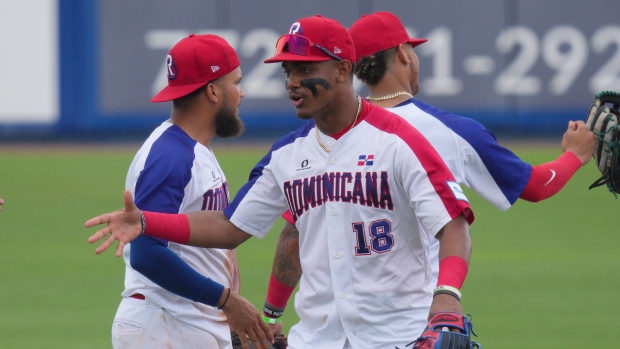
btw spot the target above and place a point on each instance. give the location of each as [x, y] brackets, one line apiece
[457, 191]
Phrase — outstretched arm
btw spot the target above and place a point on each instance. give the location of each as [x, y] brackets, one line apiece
[202, 228]
[125, 225]
[549, 178]
[1, 203]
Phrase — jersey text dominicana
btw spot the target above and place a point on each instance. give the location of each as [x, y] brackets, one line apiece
[366, 212]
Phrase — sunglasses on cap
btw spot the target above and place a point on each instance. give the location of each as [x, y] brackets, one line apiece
[299, 45]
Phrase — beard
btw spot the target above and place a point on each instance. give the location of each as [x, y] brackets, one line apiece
[227, 123]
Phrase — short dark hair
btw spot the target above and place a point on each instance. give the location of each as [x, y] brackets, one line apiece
[185, 100]
[371, 69]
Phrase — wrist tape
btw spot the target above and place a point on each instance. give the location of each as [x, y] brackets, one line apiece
[171, 227]
[278, 295]
[452, 272]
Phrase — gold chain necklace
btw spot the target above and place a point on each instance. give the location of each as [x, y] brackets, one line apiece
[359, 109]
[393, 95]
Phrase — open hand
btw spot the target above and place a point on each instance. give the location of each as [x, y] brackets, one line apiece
[123, 225]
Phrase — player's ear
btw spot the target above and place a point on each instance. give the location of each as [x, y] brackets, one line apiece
[345, 70]
[212, 91]
[401, 54]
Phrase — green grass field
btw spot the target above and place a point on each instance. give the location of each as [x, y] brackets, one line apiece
[542, 275]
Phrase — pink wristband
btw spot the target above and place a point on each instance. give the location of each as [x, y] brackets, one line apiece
[171, 227]
[452, 272]
[278, 293]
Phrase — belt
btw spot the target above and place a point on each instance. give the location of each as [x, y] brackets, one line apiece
[138, 296]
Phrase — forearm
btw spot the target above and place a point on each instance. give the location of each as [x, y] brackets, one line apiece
[162, 266]
[286, 264]
[213, 229]
[454, 239]
[549, 178]
[285, 272]
[454, 255]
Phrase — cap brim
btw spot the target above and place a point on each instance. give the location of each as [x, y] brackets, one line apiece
[415, 42]
[172, 92]
[289, 57]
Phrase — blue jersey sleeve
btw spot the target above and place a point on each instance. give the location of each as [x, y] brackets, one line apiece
[509, 172]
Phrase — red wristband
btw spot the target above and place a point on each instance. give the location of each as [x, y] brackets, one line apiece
[452, 272]
[278, 293]
[171, 227]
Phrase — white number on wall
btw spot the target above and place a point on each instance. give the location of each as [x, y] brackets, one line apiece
[514, 80]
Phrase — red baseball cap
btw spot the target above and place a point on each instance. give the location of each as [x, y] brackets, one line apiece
[193, 62]
[378, 32]
[314, 39]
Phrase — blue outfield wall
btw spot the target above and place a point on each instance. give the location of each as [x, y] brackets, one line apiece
[520, 67]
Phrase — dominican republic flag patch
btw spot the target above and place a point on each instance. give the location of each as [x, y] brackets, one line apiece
[365, 160]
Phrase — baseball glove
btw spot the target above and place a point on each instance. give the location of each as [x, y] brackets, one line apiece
[603, 122]
[280, 341]
[437, 334]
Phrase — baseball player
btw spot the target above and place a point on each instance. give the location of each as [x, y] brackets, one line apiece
[365, 210]
[1, 203]
[180, 296]
[468, 148]
[388, 66]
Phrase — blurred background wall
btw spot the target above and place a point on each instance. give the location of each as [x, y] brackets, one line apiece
[86, 69]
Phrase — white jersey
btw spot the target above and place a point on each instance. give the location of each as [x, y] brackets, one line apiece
[358, 210]
[173, 173]
[472, 154]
